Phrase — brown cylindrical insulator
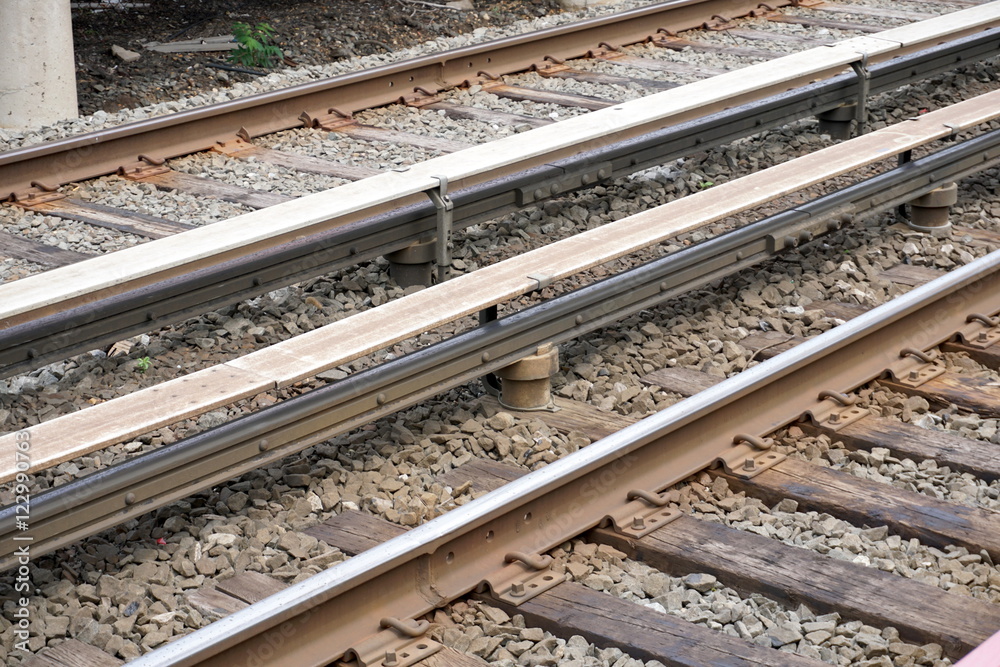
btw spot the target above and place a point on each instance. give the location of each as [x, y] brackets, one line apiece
[526, 384]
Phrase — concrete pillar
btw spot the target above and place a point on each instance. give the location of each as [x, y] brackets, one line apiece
[38, 76]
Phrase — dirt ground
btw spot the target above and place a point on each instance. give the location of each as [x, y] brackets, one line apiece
[310, 32]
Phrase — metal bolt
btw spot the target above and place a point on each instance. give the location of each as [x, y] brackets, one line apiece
[983, 337]
[517, 589]
[638, 522]
[390, 659]
[262, 446]
[834, 418]
[129, 498]
[914, 375]
[749, 464]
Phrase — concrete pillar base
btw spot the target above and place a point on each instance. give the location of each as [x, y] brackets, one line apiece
[38, 79]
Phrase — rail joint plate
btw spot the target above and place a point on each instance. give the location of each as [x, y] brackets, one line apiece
[565, 182]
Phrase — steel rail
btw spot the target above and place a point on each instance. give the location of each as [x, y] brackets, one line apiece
[38, 342]
[84, 507]
[172, 256]
[103, 152]
[302, 357]
[322, 618]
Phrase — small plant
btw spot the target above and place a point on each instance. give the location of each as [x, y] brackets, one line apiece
[704, 185]
[255, 48]
[142, 364]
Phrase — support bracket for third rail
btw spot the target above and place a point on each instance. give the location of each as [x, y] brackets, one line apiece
[445, 220]
[860, 68]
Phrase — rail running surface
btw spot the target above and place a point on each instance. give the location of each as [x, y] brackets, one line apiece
[469, 546]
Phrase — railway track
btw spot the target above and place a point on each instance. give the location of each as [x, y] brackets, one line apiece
[621, 492]
[45, 326]
[126, 493]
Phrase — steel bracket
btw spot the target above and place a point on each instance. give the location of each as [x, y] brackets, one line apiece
[644, 512]
[980, 332]
[490, 82]
[399, 644]
[835, 411]
[420, 97]
[28, 198]
[331, 120]
[549, 68]
[860, 68]
[445, 208]
[749, 456]
[717, 23]
[563, 183]
[522, 578]
[914, 368]
[763, 10]
[143, 168]
[543, 280]
[233, 146]
[809, 227]
[491, 383]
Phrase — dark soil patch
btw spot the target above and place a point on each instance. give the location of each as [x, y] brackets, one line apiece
[310, 32]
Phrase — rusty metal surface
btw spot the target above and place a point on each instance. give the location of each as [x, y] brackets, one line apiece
[319, 619]
[103, 152]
